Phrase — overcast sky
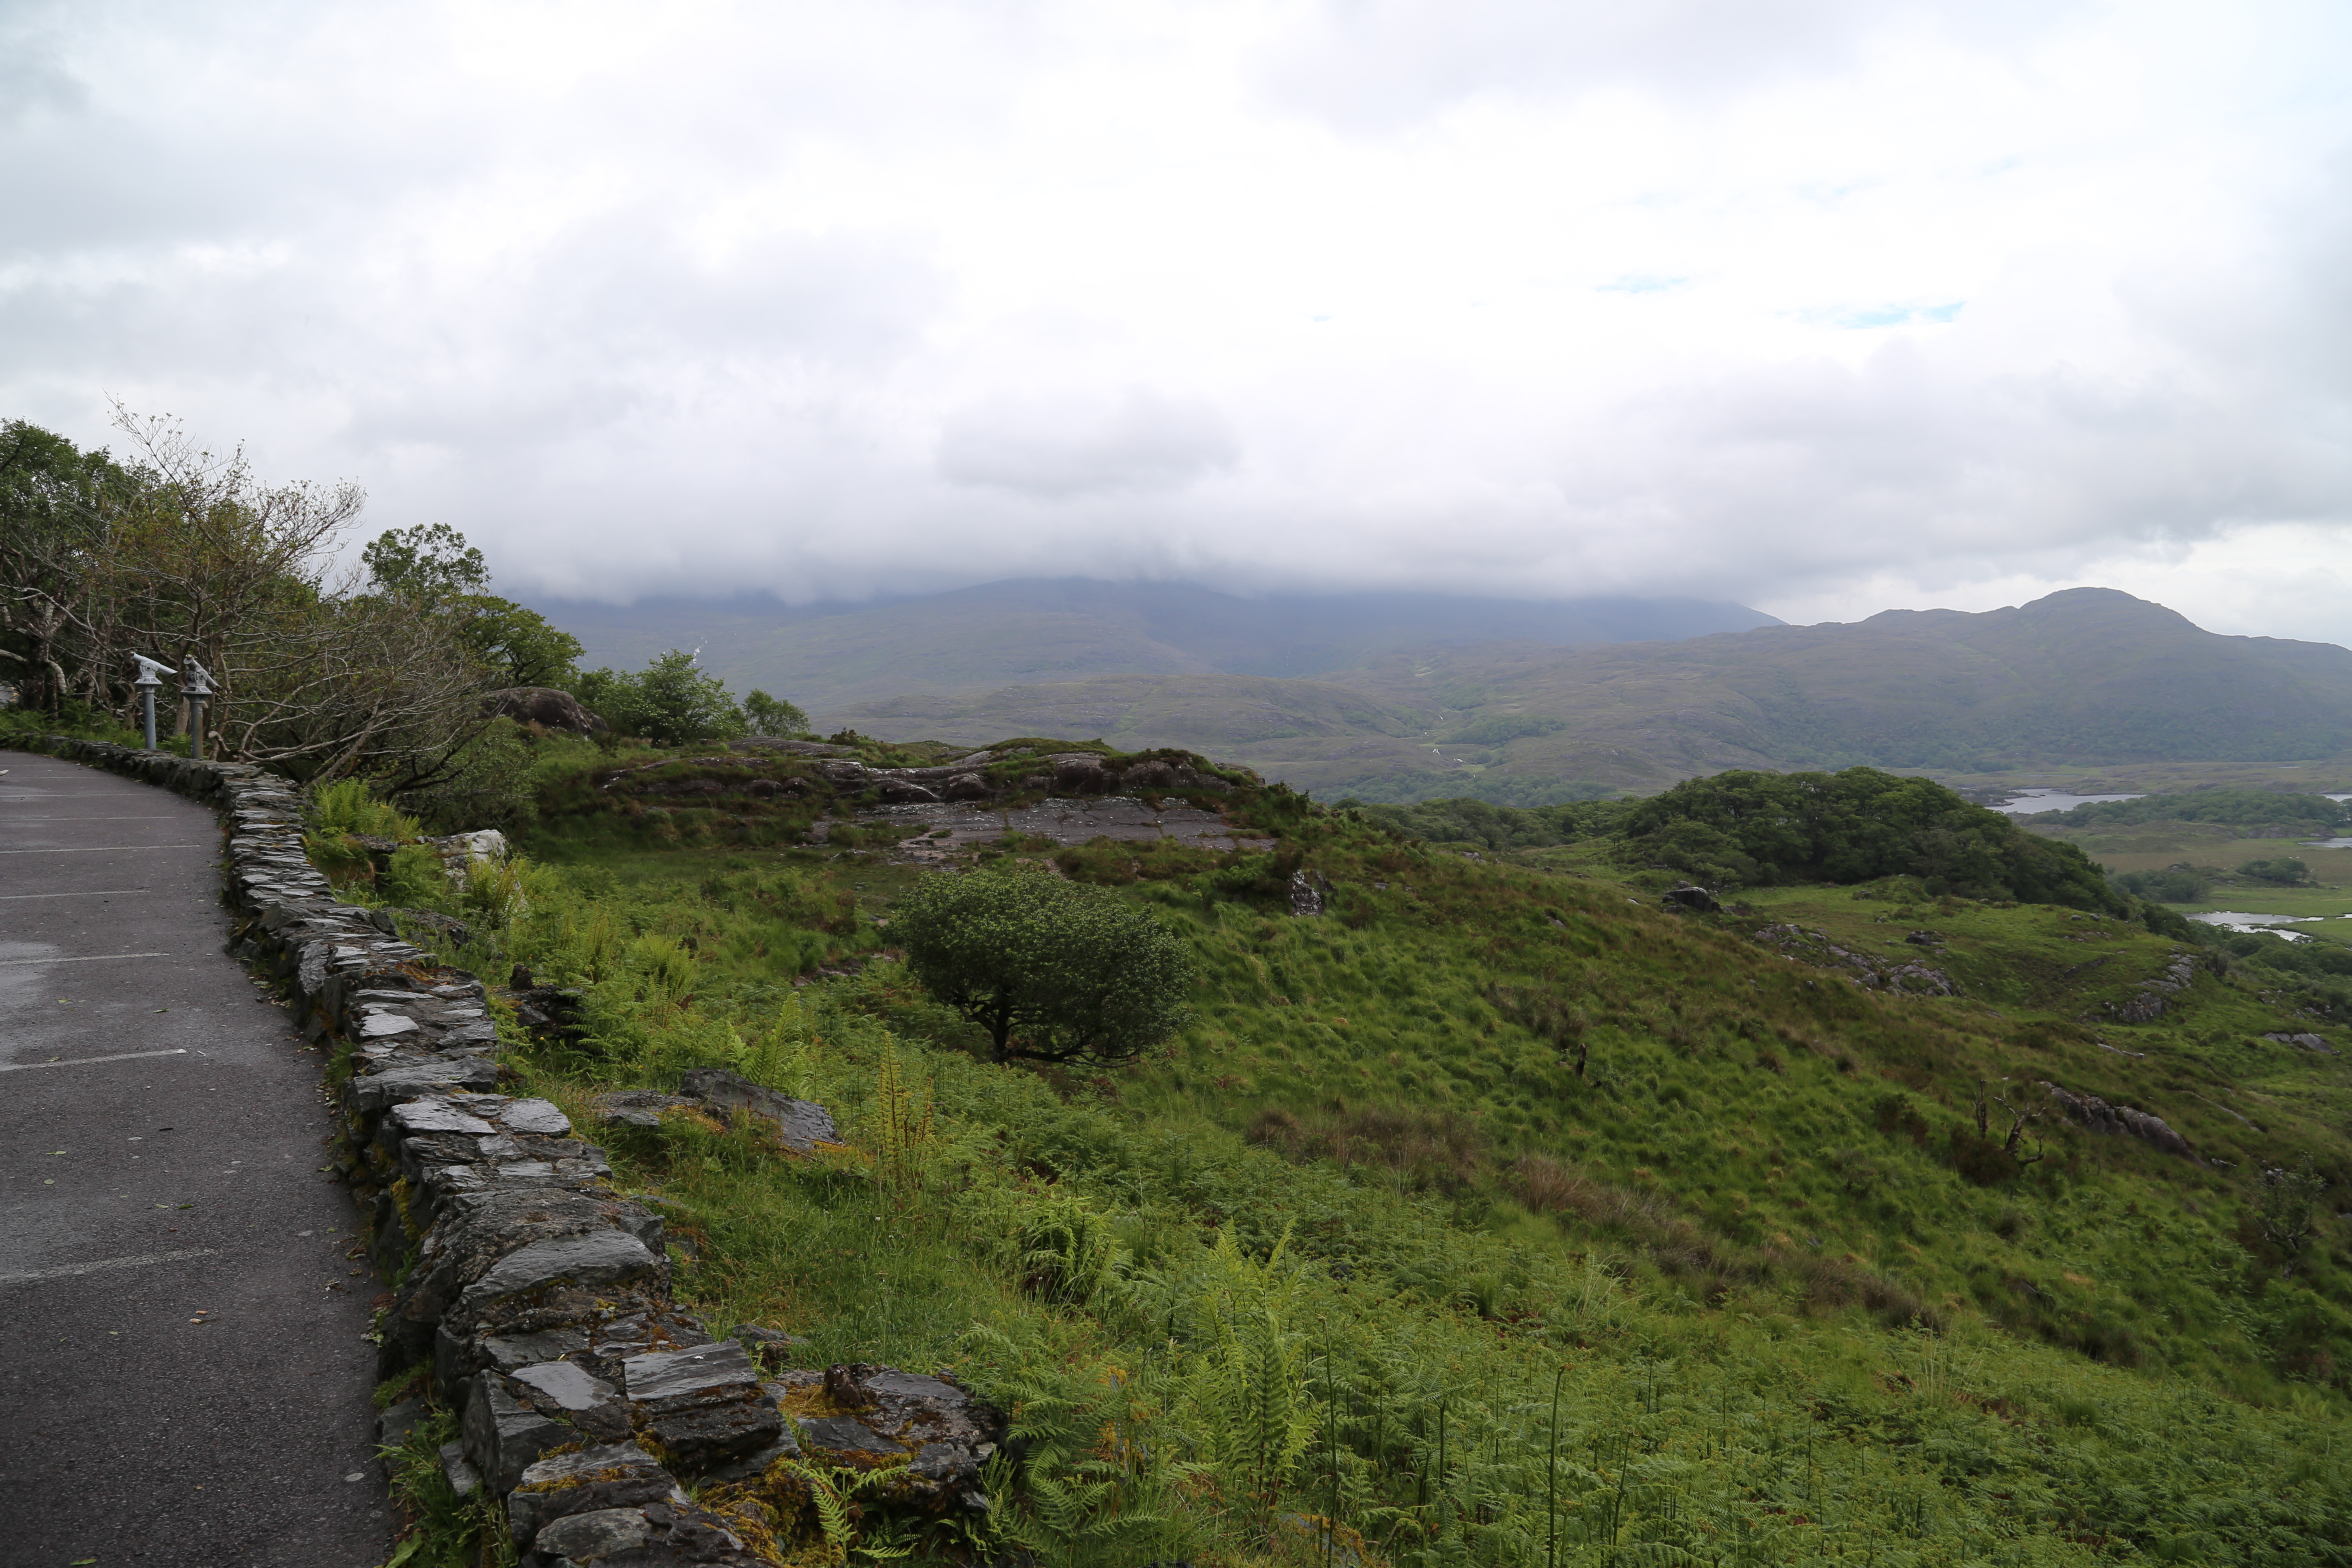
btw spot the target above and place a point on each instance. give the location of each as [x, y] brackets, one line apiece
[1827, 306]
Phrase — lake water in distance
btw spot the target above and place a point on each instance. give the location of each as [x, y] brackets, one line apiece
[2237, 919]
[2030, 801]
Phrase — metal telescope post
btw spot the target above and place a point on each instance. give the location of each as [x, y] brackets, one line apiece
[195, 686]
[145, 686]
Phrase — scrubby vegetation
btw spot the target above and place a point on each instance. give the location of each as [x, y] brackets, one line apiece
[1496, 1216]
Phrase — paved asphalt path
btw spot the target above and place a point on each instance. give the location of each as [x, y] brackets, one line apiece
[139, 1193]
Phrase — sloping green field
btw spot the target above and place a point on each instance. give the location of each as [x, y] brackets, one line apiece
[1502, 1216]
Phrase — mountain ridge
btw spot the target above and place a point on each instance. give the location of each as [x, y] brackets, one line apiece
[2086, 675]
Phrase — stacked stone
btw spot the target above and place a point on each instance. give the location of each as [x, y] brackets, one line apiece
[538, 1294]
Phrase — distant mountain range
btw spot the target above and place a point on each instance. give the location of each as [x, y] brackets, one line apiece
[1401, 698]
[826, 656]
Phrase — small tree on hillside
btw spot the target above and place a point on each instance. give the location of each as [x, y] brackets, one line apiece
[669, 701]
[773, 715]
[1055, 971]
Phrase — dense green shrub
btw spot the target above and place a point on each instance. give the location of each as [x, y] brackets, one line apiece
[2284, 871]
[1855, 827]
[1055, 971]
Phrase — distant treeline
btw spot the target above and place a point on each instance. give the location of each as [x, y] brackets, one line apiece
[2245, 808]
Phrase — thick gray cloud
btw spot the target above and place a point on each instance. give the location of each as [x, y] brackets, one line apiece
[1061, 448]
[1822, 304]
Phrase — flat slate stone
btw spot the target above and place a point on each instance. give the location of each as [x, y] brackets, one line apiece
[374, 1091]
[619, 1475]
[383, 1025]
[601, 1257]
[509, 1352]
[599, 1533]
[668, 1375]
[438, 1115]
[538, 1116]
[845, 1435]
[566, 1383]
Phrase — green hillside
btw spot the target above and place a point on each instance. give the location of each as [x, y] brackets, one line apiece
[1493, 1214]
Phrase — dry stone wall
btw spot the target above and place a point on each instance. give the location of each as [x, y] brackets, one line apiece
[536, 1293]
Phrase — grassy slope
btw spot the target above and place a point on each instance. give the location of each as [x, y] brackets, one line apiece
[1727, 1229]
[1748, 1093]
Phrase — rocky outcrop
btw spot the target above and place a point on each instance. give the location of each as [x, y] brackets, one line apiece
[536, 1294]
[1904, 976]
[543, 706]
[2155, 994]
[1690, 896]
[2119, 1121]
[1309, 890]
[796, 1124]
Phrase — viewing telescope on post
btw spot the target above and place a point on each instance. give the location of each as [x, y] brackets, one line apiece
[195, 686]
[145, 686]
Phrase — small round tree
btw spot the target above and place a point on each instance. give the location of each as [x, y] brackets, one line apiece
[1055, 971]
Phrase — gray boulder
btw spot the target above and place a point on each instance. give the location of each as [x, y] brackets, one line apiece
[2120, 1120]
[1081, 772]
[799, 1125]
[543, 706]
